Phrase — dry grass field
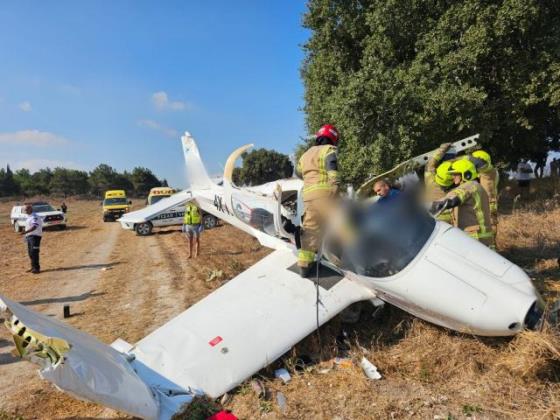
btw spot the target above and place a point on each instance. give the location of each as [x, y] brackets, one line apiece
[428, 372]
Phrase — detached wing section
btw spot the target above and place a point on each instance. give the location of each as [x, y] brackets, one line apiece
[244, 325]
[78, 363]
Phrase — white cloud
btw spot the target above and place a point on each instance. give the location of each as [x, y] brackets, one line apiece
[25, 106]
[32, 137]
[34, 165]
[169, 132]
[162, 103]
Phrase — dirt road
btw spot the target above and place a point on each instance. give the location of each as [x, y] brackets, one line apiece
[117, 285]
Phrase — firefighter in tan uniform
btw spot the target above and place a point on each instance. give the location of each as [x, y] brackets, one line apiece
[438, 181]
[469, 202]
[489, 179]
[319, 171]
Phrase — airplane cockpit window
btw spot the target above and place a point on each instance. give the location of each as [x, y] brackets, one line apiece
[386, 237]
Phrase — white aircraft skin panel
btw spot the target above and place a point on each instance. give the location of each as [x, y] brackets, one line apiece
[463, 246]
[91, 370]
[196, 172]
[207, 200]
[216, 344]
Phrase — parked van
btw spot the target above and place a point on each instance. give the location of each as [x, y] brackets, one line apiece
[115, 205]
[158, 193]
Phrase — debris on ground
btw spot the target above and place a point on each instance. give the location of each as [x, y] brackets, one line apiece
[283, 374]
[281, 401]
[258, 388]
[214, 275]
[369, 369]
[223, 415]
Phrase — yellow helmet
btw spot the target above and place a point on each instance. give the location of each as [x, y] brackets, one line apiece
[443, 178]
[465, 168]
[483, 155]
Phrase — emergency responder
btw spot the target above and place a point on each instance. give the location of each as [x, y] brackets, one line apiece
[192, 227]
[33, 233]
[489, 178]
[438, 181]
[469, 201]
[319, 171]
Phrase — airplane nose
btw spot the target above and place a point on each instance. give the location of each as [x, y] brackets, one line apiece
[533, 319]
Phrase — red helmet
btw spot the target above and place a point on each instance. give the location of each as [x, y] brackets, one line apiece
[329, 131]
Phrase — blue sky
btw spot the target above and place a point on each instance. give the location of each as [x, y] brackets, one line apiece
[117, 82]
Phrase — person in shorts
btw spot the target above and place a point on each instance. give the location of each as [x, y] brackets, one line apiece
[192, 227]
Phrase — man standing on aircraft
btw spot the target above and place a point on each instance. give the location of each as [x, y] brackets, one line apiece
[489, 179]
[319, 170]
[438, 181]
[469, 201]
[192, 227]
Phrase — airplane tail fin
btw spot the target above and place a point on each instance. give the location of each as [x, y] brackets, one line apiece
[197, 176]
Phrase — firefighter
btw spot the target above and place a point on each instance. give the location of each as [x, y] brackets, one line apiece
[469, 202]
[319, 171]
[438, 181]
[192, 227]
[489, 179]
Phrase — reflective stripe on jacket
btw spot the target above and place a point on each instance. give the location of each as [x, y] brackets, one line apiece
[192, 215]
[434, 191]
[473, 214]
[489, 180]
[319, 170]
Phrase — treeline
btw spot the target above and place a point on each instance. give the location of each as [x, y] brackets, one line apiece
[66, 182]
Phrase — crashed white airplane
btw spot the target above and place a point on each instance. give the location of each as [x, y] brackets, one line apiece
[399, 254]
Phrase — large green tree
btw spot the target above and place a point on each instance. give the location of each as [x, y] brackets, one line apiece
[143, 180]
[398, 77]
[261, 166]
[104, 178]
[69, 182]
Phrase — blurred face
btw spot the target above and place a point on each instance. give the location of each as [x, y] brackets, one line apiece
[381, 188]
[28, 209]
[456, 179]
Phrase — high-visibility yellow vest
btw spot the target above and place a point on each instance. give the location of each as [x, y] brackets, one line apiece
[318, 169]
[192, 215]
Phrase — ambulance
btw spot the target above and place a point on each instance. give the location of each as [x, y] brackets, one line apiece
[115, 205]
[158, 193]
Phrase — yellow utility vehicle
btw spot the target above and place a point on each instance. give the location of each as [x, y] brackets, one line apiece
[115, 205]
[159, 193]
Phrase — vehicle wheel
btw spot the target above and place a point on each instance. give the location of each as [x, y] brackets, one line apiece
[144, 229]
[209, 221]
[17, 229]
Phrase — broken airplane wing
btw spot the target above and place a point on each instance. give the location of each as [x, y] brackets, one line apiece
[209, 349]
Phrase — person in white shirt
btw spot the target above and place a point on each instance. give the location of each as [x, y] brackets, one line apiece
[33, 233]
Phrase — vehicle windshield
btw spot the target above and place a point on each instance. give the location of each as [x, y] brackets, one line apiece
[42, 208]
[387, 237]
[115, 201]
[155, 198]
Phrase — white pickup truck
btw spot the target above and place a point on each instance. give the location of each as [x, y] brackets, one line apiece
[50, 216]
[165, 212]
